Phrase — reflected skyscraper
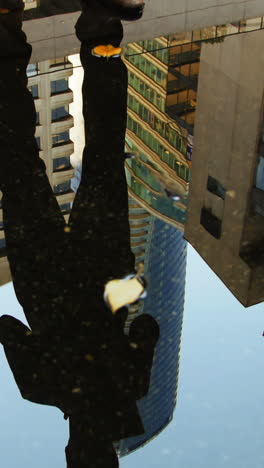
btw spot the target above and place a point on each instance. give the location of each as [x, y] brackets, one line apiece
[225, 221]
[165, 269]
[162, 97]
[156, 139]
[78, 318]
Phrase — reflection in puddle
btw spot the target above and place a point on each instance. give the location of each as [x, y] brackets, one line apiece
[193, 157]
[225, 212]
[75, 280]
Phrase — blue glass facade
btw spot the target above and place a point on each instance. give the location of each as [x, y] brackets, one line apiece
[165, 270]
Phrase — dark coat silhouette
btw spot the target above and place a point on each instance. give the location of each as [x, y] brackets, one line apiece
[75, 355]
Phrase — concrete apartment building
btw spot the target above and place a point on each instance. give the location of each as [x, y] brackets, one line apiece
[50, 88]
[225, 221]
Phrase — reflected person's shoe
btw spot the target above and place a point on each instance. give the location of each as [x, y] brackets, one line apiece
[11, 13]
[11, 4]
[126, 10]
[107, 51]
[125, 291]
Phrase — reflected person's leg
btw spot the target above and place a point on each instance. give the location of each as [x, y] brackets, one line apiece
[31, 215]
[99, 219]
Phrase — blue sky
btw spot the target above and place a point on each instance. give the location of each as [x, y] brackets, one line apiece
[219, 418]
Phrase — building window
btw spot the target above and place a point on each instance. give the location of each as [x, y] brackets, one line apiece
[32, 69]
[59, 86]
[215, 187]
[34, 90]
[60, 138]
[211, 223]
[60, 164]
[64, 187]
[2, 244]
[60, 113]
[63, 61]
[65, 208]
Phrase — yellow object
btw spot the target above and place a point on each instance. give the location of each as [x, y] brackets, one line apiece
[4, 11]
[106, 51]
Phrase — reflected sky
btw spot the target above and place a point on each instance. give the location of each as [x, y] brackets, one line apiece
[220, 390]
[180, 166]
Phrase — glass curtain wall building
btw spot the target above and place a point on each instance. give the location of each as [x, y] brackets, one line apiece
[162, 97]
[153, 136]
[165, 269]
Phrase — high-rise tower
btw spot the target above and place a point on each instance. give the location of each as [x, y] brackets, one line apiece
[225, 221]
[165, 269]
[155, 138]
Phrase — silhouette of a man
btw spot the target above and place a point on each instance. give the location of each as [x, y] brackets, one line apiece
[75, 354]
